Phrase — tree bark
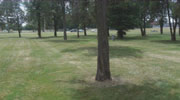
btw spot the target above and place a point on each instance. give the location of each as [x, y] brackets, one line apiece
[38, 17]
[64, 19]
[19, 27]
[161, 29]
[120, 34]
[108, 31]
[78, 32]
[179, 26]
[161, 24]
[55, 26]
[144, 26]
[103, 66]
[173, 35]
[39, 24]
[19, 31]
[85, 32]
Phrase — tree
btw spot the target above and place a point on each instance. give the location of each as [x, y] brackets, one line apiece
[75, 14]
[143, 15]
[84, 14]
[103, 67]
[55, 13]
[19, 17]
[162, 14]
[7, 11]
[172, 17]
[63, 4]
[123, 16]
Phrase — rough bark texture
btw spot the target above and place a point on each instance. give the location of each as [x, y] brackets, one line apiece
[64, 19]
[108, 32]
[103, 66]
[179, 26]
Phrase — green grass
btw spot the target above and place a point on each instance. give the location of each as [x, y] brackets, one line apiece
[52, 69]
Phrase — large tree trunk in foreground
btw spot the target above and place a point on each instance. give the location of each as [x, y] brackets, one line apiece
[64, 20]
[103, 66]
[108, 32]
[179, 26]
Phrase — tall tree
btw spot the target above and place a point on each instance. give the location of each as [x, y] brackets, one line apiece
[84, 14]
[103, 66]
[7, 8]
[19, 18]
[162, 14]
[172, 17]
[63, 4]
[75, 14]
[123, 16]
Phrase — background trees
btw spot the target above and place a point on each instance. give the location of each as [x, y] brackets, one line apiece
[123, 16]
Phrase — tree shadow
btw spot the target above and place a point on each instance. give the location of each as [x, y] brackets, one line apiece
[67, 41]
[148, 90]
[115, 51]
[166, 41]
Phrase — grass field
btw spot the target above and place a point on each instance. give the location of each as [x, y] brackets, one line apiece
[52, 69]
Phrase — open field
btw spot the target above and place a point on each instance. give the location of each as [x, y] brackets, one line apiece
[53, 69]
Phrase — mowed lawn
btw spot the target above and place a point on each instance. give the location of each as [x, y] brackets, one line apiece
[53, 69]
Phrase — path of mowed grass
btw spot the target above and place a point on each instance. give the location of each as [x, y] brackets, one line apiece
[53, 69]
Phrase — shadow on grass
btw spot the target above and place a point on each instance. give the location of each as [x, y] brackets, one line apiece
[115, 51]
[167, 41]
[149, 90]
[67, 41]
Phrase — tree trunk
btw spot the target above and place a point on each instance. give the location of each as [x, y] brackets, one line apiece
[39, 18]
[55, 26]
[85, 32]
[179, 26]
[173, 36]
[144, 27]
[103, 66]
[39, 25]
[108, 31]
[64, 19]
[161, 29]
[120, 34]
[19, 31]
[19, 27]
[44, 24]
[78, 32]
[142, 31]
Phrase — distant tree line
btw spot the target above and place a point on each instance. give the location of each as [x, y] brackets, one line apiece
[42, 15]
